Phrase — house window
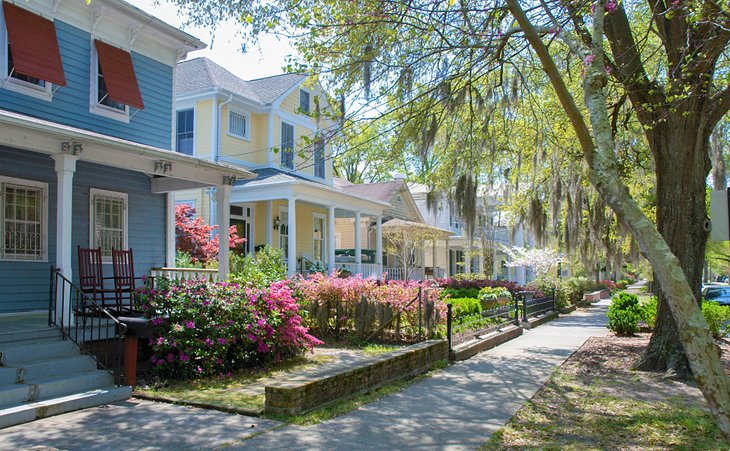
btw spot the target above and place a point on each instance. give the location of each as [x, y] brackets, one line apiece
[108, 221]
[318, 238]
[114, 82]
[31, 59]
[284, 233]
[319, 158]
[287, 145]
[303, 101]
[186, 131]
[238, 124]
[242, 219]
[23, 219]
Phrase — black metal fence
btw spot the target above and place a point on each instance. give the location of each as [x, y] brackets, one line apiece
[92, 327]
[521, 309]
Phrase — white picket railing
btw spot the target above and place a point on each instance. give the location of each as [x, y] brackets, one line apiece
[210, 275]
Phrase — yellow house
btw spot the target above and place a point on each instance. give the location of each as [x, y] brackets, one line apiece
[279, 128]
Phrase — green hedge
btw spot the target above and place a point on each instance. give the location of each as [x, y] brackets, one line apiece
[464, 306]
[624, 314]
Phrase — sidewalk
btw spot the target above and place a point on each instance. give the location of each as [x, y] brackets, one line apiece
[457, 408]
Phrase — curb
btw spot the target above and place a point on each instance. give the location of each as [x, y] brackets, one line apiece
[200, 405]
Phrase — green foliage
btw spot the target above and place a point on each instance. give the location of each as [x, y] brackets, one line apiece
[624, 314]
[717, 317]
[491, 297]
[183, 260]
[648, 312]
[570, 291]
[465, 306]
[460, 292]
[260, 271]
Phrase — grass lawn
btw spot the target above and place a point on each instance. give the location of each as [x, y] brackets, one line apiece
[244, 391]
[594, 401]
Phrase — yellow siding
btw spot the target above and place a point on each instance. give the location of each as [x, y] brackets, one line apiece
[199, 197]
[260, 225]
[290, 104]
[203, 125]
[233, 146]
[260, 138]
[345, 227]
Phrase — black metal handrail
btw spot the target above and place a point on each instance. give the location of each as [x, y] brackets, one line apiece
[484, 323]
[90, 325]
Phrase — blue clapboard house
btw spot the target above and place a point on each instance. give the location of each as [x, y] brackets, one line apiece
[86, 160]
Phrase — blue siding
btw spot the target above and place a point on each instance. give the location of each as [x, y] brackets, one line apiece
[24, 285]
[70, 104]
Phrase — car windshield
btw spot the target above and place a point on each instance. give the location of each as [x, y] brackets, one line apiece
[713, 293]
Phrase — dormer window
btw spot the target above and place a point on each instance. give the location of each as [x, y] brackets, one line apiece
[304, 101]
[114, 83]
[32, 61]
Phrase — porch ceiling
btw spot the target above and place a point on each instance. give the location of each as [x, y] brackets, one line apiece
[308, 192]
[173, 170]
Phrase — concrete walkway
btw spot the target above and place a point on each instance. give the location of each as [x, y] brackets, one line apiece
[457, 408]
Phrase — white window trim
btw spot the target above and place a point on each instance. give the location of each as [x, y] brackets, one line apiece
[13, 84]
[323, 217]
[94, 106]
[195, 127]
[299, 103]
[282, 211]
[190, 202]
[247, 116]
[293, 146]
[44, 218]
[93, 192]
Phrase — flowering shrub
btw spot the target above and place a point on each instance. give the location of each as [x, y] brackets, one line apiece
[192, 236]
[203, 328]
[460, 283]
[336, 303]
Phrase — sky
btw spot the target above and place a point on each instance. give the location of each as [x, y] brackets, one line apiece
[226, 51]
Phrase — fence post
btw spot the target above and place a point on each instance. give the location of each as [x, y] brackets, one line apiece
[420, 314]
[524, 308]
[449, 323]
[553, 299]
[337, 318]
[517, 309]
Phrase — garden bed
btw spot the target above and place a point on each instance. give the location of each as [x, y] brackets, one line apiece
[243, 391]
[594, 401]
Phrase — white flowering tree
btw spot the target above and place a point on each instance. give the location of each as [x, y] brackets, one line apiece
[540, 260]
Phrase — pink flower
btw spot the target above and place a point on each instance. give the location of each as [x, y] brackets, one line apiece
[170, 357]
[589, 59]
[190, 325]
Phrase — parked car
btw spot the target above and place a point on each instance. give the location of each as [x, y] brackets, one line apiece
[720, 294]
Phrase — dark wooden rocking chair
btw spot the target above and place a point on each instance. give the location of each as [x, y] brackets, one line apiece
[91, 280]
[124, 280]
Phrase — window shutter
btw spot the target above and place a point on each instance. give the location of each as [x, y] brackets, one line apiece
[34, 44]
[119, 76]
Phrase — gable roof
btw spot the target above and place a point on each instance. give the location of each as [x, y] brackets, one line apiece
[201, 75]
[383, 191]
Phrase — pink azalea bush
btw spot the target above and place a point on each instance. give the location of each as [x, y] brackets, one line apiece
[203, 328]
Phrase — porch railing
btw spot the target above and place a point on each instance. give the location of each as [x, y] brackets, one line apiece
[397, 273]
[368, 269]
[211, 275]
[91, 326]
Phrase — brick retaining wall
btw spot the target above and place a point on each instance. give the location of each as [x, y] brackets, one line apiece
[304, 393]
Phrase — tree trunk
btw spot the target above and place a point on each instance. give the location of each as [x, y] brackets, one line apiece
[717, 152]
[682, 165]
[598, 149]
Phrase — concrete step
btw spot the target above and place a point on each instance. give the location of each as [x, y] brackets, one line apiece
[23, 413]
[66, 385]
[30, 335]
[8, 375]
[25, 352]
[15, 394]
[65, 366]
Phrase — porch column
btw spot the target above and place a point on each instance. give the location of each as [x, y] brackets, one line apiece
[358, 242]
[269, 223]
[379, 245]
[331, 239]
[292, 226]
[65, 169]
[223, 220]
[170, 230]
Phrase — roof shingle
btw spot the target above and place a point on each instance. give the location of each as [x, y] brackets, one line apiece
[201, 74]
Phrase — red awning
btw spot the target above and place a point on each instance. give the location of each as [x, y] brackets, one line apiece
[121, 83]
[33, 41]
